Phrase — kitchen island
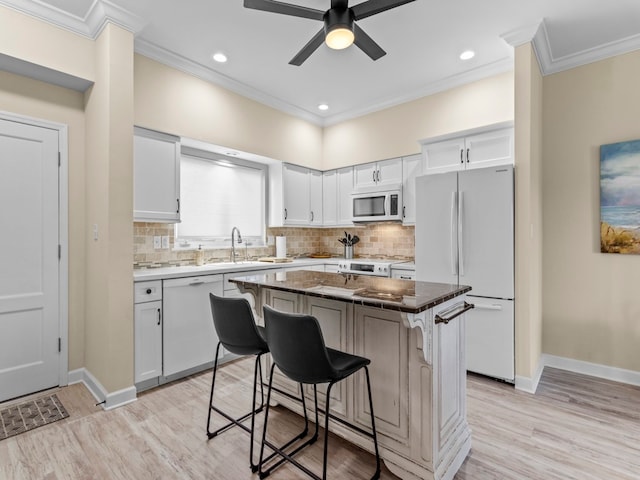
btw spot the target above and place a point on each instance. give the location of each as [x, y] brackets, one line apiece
[413, 333]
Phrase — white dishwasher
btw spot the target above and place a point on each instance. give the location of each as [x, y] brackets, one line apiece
[188, 337]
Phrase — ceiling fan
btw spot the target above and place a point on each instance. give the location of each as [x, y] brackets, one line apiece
[340, 29]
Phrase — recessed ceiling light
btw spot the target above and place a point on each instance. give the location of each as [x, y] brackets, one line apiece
[323, 106]
[220, 57]
[467, 55]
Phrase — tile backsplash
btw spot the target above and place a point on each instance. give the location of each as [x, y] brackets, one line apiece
[376, 240]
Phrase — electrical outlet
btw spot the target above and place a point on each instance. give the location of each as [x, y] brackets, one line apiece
[95, 232]
[157, 241]
[271, 240]
[165, 241]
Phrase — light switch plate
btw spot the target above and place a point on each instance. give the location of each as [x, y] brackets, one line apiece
[157, 241]
[165, 241]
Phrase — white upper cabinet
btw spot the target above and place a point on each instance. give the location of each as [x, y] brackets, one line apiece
[378, 175]
[337, 186]
[295, 196]
[315, 197]
[156, 177]
[345, 188]
[330, 197]
[411, 168]
[474, 150]
[444, 156]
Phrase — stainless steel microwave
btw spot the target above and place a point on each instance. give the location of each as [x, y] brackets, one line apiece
[378, 206]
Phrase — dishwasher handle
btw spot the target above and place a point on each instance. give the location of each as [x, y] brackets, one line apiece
[455, 311]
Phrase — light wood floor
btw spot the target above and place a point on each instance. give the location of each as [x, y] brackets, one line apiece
[575, 427]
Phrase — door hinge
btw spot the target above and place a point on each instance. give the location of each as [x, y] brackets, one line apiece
[59, 252]
[59, 344]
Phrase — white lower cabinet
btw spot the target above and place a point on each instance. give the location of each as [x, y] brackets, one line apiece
[147, 331]
[336, 323]
[388, 370]
[148, 341]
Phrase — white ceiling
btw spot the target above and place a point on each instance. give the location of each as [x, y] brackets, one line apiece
[423, 40]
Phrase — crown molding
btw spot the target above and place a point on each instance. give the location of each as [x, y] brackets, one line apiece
[185, 65]
[99, 14]
[538, 35]
[480, 73]
[522, 35]
[552, 64]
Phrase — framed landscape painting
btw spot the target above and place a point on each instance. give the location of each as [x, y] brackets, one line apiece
[620, 197]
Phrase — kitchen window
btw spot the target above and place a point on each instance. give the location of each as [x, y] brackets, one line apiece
[218, 193]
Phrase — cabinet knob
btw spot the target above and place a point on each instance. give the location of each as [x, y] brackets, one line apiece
[149, 291]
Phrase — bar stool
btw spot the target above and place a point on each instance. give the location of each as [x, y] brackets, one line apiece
[298, 350]
[238, 333]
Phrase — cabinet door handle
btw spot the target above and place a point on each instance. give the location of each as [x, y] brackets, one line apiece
[404, 211]
[178, 202]
[159, 316]
[378, 177]
[285, 213]
[461, 155]
[467, 155]
[374, 176]
[312, 216]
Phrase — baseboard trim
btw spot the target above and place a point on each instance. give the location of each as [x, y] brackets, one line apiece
[615, 374]
[530, 385]
[108, 400]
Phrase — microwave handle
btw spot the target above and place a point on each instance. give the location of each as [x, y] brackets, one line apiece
[387, 204]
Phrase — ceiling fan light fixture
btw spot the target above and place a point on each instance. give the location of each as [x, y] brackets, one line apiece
[339, 38]
[338, 28]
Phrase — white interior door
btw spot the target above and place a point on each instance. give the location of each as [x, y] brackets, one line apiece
[29, 282]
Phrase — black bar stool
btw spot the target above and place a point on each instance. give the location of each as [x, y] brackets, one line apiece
[238, 333]
[297, 348]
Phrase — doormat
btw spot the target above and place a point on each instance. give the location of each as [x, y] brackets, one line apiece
[31, 414]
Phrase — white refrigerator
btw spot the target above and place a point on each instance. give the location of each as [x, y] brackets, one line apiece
[464, 235]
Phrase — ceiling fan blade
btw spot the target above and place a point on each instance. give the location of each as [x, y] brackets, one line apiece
[284, 9]
[308, 49]
[366, 44]
[372, 7]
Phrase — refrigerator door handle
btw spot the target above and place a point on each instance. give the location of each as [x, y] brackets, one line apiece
[460, 234]
[452, 242]
[485, 306]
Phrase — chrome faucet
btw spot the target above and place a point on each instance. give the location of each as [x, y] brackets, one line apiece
[233, 244]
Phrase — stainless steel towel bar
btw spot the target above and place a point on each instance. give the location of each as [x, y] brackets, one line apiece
[454, 311]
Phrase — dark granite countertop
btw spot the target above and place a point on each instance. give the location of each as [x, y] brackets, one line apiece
[388, 293]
